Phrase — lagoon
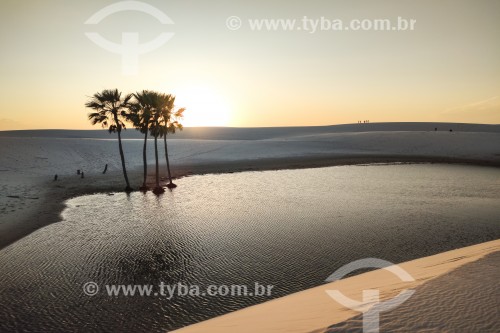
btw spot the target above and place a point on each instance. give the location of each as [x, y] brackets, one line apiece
[290, 229]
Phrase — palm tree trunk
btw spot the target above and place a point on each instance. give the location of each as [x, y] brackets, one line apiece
[157, 168]
[128, 188]
[168, 162]
[144, 159]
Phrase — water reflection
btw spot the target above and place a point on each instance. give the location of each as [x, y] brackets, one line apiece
[289, 228]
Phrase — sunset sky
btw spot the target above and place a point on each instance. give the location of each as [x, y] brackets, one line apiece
[447, 69]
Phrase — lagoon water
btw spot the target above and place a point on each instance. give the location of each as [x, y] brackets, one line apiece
[288, 228]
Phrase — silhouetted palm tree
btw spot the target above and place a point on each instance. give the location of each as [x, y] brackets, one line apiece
[111, 112]
[155, 130]
[170, 124]
[140, 115]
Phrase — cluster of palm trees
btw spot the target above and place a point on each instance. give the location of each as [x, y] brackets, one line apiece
[152, 113]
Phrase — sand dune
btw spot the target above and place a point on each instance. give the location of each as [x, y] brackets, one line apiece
[464, 300]
[47, 156]
[30, 159]
[30, 199]
[453, 293]
[261, 133]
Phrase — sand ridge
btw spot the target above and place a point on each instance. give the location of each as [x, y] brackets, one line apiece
[31, 199]
[435, 278]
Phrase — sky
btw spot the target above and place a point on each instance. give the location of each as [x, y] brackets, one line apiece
[446, 69]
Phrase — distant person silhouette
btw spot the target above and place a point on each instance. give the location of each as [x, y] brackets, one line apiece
[82, 174]
[435, 129]
[78, 171]
[55, 177]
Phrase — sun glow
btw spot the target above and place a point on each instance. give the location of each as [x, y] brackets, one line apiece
[204, 107]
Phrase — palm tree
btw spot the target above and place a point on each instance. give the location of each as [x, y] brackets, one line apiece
[111, 112]
[140, 116]
[155, 130]
[170, 122]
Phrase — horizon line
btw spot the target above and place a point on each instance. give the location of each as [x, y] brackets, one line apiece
[243, 127]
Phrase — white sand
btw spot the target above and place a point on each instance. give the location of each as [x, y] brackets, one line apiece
[448, 290]
[47, 156]
[464, 300]
[29, 198]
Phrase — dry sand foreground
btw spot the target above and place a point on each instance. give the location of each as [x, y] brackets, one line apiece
[456, 291]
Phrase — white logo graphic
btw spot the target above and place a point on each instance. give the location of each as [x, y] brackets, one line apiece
[370, 306]
[129, 49]
[233, 23]
[90, 288]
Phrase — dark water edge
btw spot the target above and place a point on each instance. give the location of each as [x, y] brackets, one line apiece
[290, 229]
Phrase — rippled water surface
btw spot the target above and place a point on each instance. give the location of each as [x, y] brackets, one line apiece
[289, 228]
